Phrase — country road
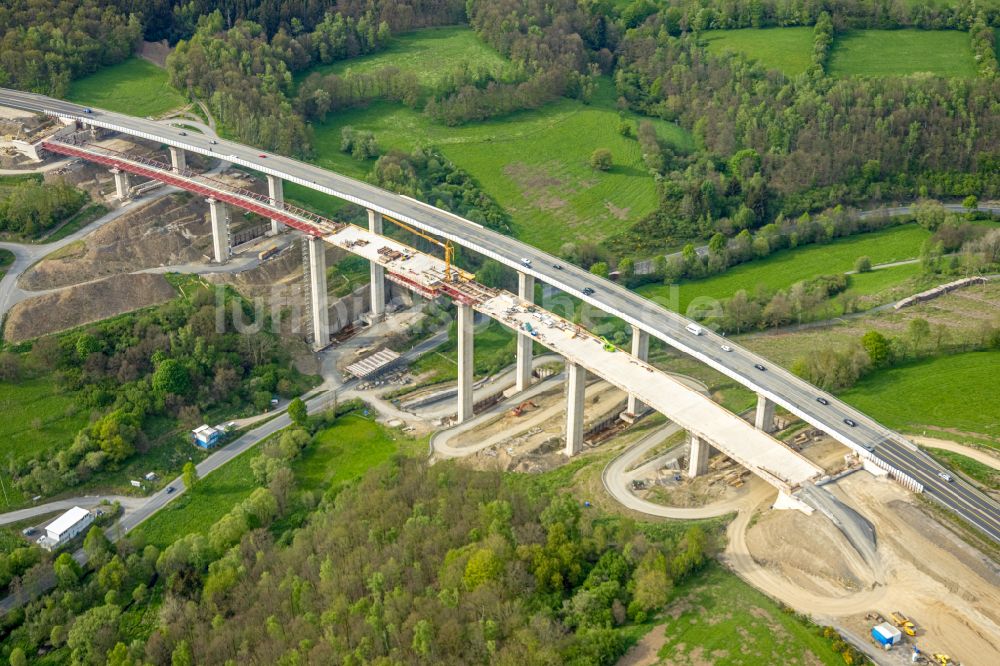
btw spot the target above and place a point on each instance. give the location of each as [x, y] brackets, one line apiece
[147, 507]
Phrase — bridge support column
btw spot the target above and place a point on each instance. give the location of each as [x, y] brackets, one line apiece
[276, 192]
[220, 229]
[465, 361]
[178, 159]
[575, 392]
[698, 457]
[526, 291]
[317, 292]
[377, 273]
[640, 349]
[121, 183]
[764, 419]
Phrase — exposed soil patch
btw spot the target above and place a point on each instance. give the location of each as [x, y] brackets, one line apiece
[644, 653]
[155, 52]
[825, 563]
[171, 230]
[618, 212]
[532, 178]
[85, 303]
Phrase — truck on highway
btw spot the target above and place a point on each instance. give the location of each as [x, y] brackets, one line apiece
[694, 328]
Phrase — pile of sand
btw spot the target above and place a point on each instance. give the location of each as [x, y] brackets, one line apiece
[85, 303]
[810, 551]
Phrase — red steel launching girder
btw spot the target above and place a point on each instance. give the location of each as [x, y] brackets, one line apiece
[240, 199]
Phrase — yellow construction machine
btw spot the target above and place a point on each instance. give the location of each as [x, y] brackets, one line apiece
[904, 623]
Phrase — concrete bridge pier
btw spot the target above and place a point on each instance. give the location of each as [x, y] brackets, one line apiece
[698, 456]
[276, 192]
[178, 159]
[640, 349]
[377, 273]
[317, 292]
[121, 184]
[764, 419]
[526, 291]
[465, 362]
[220, 229]
[575, 392]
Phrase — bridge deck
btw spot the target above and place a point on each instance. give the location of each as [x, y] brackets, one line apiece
[759, 452]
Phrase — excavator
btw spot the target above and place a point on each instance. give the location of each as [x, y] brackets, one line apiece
[943, 659]
[523, 407]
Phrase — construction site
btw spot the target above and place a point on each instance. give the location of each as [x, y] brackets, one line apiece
[937, 596]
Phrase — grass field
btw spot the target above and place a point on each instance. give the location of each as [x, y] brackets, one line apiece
[902, 52]
[432, 53]
[956, 392]
[345, 451]
[854, 53]
[786, 267]
[718, 619]
[974, 469]
[788, 50]
[198, 509]
[493, 349]
[535, 163]
[46, 418]
[338, 454]
[136, 87]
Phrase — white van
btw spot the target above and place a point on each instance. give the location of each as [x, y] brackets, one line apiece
[694, 328]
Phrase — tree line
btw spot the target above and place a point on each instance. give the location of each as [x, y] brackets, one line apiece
[771, 145]
[30, 208]
[699, 15]
[45, 44]
[170, 362]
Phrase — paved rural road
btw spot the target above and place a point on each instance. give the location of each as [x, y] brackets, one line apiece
[791, 392]
[128, 503]
[26, 254]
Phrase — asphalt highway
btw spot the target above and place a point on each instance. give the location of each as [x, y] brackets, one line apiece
[785, 389]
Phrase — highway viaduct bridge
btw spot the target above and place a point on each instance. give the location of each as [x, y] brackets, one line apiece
[708, 422]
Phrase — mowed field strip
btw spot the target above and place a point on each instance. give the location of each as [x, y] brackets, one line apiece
[430, 53]
[956, 392]
[854, 52]
[786, 267]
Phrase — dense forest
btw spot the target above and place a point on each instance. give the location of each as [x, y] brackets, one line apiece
[30, 207]
[45, 44]
[413, 564]
[173, 361]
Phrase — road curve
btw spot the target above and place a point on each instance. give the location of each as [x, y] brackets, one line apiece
[775, 383]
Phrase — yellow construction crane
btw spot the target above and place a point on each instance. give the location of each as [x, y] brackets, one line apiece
[449, 249]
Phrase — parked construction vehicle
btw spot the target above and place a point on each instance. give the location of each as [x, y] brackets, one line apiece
[903, 623]
[606, 344]
[523, 407]
[942, 659]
